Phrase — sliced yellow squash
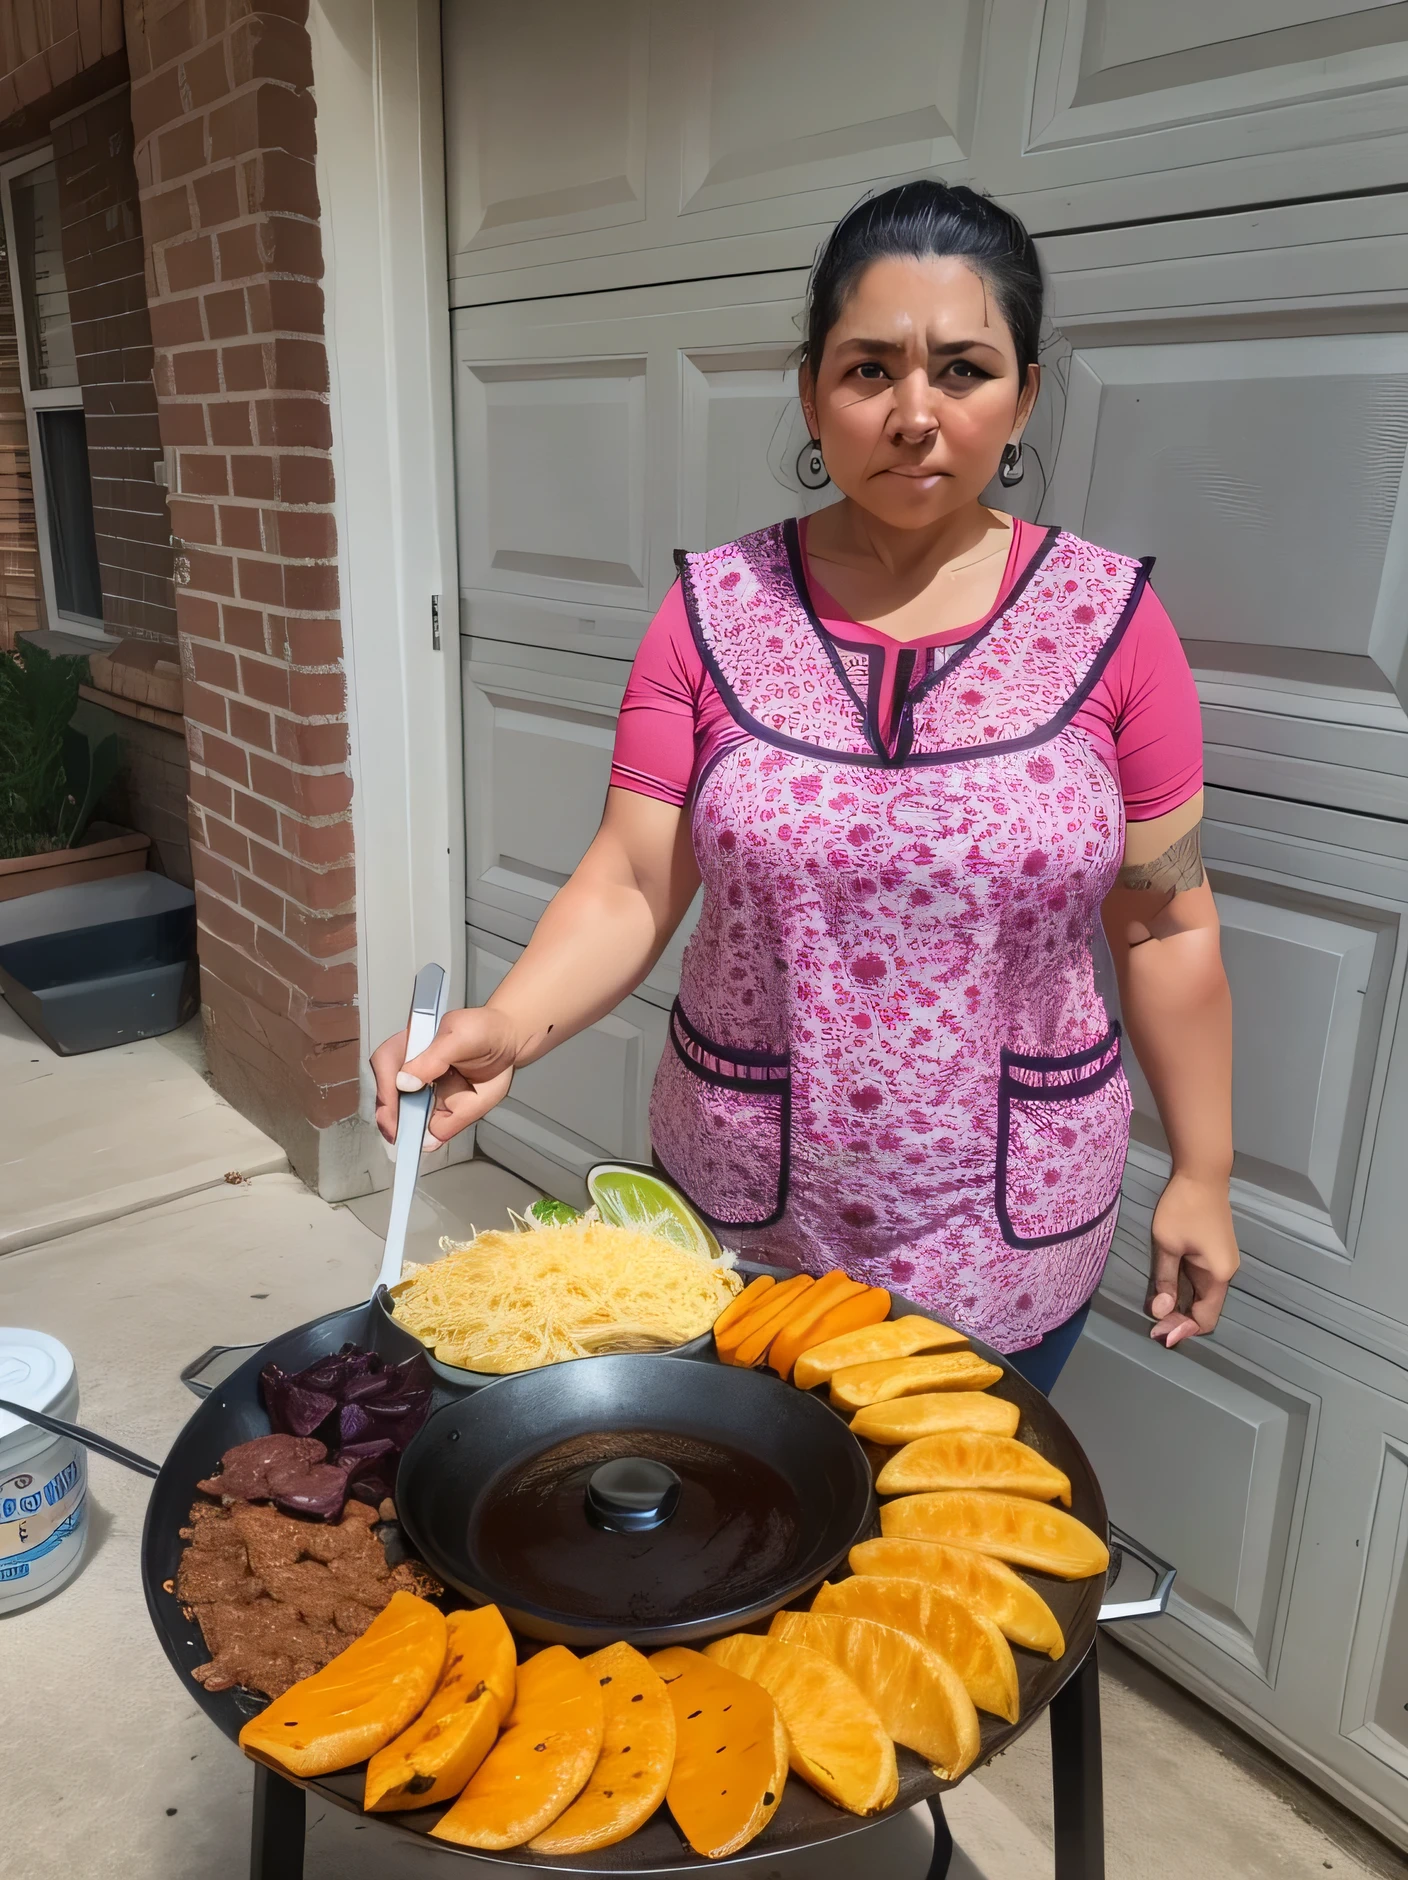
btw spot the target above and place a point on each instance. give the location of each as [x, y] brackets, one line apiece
[730, 1753]
[432, 1760]
[637, 1754]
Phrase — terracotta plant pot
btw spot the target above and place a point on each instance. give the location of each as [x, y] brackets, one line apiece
[111, 852]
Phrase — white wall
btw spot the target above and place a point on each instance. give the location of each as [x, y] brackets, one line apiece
[376, 67]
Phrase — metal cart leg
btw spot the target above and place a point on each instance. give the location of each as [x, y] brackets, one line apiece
[943, 1842]
[276, 1834]
[1077, 1781]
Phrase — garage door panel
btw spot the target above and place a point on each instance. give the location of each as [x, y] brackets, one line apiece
[1103, 110]
[1225, 486]
[581, 473]
[769, 110]
[742, 445]
[1375, 1716]
[559, 502]
[1310, 1007]
[588, 1102]
[673, 136]
[1314, 941]
[537, 762]
[580, 75]
[1226, 1525]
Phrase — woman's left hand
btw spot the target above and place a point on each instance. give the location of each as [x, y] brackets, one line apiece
[1194, 1258]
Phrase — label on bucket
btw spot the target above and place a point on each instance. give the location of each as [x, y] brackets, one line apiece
[41, 1507]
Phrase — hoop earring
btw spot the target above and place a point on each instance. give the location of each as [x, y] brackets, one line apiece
[812, 472]
[1011, 470]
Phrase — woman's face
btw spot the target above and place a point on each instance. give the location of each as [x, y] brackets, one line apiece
[917, 391]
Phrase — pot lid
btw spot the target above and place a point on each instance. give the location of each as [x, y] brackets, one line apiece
[35, 1370]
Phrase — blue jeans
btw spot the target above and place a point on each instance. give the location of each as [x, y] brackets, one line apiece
[1042, 1363]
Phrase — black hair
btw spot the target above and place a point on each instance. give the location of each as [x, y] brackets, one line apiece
[916, 220]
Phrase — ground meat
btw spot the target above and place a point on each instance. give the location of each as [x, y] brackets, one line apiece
[277, 1597]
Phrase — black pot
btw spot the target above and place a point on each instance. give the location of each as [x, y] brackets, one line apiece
[751, 1492]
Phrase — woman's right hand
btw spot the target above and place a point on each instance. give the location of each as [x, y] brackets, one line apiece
[470, 1061]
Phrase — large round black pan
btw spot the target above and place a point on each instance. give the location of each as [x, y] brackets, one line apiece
[232, 1413]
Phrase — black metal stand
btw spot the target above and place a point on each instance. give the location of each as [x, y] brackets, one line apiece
[1077, 1783]
[1077, 1777]
[276, 1834]
[943, 1841]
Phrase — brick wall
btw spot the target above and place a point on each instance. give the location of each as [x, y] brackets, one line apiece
[225, 143]
[21, 603]
[104, 262]
[150, 793]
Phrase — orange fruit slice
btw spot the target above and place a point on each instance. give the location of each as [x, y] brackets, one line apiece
[983, 1584]
[970, 1459]
[1027, 1533]
[919, 1696]
[830, 1290]
[862, 1309]
[768, 1315]
[895, 1338]
[970, 1641]
[861, 1384]
[743, 1303]
[905, 1419]
[837, 1742]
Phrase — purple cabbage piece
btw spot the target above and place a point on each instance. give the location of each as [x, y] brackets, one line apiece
[370, 1384]
[367, 1411]
[371, 1470]
[294, 1409]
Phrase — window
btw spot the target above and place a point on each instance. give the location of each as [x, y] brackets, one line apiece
[53, 401]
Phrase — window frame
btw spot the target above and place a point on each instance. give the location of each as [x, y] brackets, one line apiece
[62, 398]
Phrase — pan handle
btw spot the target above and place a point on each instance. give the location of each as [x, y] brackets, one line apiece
[193, 1374]
[89, 1439]
[1155, 1602]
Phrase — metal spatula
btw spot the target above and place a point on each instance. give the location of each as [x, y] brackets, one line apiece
[427, 1009]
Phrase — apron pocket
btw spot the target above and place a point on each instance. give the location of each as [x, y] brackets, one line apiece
[720, 1119]
[1062, 1133]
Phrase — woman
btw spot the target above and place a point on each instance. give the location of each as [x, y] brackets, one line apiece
[916, 751]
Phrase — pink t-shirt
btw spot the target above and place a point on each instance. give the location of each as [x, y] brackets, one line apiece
[1142, 714]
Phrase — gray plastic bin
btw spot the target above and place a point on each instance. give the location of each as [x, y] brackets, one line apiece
[102, 963]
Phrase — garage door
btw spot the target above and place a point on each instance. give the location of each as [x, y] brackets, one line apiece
[635, 192]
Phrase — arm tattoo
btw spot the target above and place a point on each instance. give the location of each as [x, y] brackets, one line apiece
[1179, 868]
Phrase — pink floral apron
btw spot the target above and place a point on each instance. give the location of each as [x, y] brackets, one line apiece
[889, 1053]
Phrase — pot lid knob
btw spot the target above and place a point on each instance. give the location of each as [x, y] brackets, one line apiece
[632, 1494]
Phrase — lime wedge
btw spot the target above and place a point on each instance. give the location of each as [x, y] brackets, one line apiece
[634, 1197]
[548, 1211]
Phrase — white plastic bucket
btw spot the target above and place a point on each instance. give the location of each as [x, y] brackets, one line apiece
[43, 1478]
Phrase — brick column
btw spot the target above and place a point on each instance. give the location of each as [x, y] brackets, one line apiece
[225, 142]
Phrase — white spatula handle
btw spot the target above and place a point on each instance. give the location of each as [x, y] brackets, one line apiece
[427, 1009]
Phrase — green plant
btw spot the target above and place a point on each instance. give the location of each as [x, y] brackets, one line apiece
[57, 753]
